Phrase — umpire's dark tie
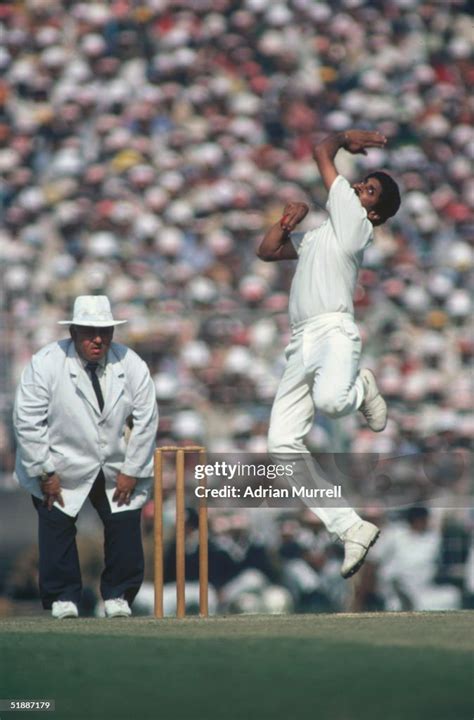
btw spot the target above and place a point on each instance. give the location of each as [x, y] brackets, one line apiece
[91, 368]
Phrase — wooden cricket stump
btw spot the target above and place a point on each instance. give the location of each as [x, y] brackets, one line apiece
[179, 453]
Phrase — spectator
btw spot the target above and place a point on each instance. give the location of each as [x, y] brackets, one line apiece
[407, 560]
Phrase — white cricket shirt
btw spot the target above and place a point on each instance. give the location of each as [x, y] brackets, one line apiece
[329, 257]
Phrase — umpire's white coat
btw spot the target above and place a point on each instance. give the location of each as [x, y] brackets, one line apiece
[59, 426]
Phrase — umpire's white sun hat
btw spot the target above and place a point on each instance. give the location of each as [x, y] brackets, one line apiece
[92, 311]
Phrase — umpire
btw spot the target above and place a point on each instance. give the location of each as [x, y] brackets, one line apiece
[85, 421]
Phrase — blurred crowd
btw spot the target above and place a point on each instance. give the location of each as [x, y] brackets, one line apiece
[285, 562]
[144, 148]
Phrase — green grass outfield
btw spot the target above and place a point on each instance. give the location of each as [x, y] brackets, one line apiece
[403, 666]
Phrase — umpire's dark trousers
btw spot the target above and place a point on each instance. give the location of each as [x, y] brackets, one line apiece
[59, 570]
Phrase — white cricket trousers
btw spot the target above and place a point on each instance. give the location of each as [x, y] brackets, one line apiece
[321, 373]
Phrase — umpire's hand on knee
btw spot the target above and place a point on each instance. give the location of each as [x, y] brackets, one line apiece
[125, 487]
[51, 489]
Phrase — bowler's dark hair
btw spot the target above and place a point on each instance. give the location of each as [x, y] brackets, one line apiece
[389, 200]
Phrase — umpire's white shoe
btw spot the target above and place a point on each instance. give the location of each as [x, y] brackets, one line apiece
[374, 407]
[118, 607]
[62, 609]
[357, 542]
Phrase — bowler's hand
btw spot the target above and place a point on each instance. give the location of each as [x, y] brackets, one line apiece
[293, 214]
[125, 487]
[51, 489]
[356, 141]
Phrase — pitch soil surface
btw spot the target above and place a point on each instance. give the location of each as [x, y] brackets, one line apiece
[400, 666]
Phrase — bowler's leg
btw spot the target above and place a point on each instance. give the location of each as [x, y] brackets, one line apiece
[292, 412]
[123, 550]
[291, 420]
[59, 570]
[332, 357]
[338, 389]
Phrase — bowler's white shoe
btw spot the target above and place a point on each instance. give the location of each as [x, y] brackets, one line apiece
[118, 607]
[62, 609]
[374, 407]
[357, 542]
